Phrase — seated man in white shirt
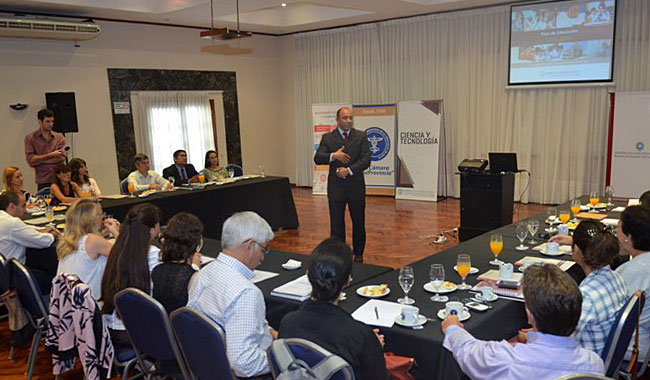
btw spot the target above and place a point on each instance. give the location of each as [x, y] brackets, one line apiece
[224, 292]
[143, 178]
[553, 304]
[16, 236]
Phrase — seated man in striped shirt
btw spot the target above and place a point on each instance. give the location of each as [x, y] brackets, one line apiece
[223, 291]
[553, 303]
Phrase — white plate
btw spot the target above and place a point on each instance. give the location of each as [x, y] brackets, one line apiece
[472, 270]
[479, 297]
[362, 294]
[421, 320]
[561, 251]
[442, 314]
[430, 288]
[37, 213]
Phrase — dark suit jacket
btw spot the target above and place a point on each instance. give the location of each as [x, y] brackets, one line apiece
[353, 187]
[171, 171]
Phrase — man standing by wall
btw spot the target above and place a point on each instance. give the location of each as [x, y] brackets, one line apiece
[347, 152]
[44, 149]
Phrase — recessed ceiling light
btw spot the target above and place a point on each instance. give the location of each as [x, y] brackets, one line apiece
[284, 4]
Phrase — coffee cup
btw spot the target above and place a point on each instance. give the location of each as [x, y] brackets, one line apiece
[552, 248]
[455, 308]
[409, 314]
[505, 271]
[487, 293]
[563, 229]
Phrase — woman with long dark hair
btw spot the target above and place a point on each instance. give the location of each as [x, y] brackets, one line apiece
[181, 246]
[80, 176]
[63, 189]
[212, 170]
[321, 321]
[130, 263]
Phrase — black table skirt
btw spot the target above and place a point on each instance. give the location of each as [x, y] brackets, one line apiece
[270, 197]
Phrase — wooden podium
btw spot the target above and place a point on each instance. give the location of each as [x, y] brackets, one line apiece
[486, 201]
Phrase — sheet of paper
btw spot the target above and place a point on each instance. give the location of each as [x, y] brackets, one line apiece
[261, 275]
[609, 221]
[633, 202]
[387, 312]
[618, 209]
[298, 289]
[115, 196]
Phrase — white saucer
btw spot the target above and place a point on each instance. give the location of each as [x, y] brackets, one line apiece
[442, 314]
[431, 289]
[421, 320]
[472, 270]
[291, 267]
[561, 251]
[479, 297]
[37, 213]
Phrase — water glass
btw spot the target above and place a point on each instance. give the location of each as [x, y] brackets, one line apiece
[533, 225]
[437, 275]
[522, 232]
[49, 215]
[406, 280]
[171, 180]
[609, 194]
[551, 214]
[231, 173]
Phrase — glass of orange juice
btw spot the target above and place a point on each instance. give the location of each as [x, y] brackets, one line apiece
[575, 209]
[496, 246]
[463, 265]
[47, 199]
[593, 198]
[201, 178]
[131, 190]
[564, 215]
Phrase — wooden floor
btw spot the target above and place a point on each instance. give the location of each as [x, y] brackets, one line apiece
[398, 233]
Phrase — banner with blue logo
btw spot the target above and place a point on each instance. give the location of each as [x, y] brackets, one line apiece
[630, 144]
[379, 123]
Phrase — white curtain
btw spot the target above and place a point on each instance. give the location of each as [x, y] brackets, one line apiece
[559, 134]
[172, 120]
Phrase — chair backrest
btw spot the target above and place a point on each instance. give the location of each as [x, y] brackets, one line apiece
[148, 327]
[124, 186]
[29, 293]
[582, 376]
[236, 168]
[42, 192]
[323, 363]
[203, 345]
[621, 334]
[5, 284]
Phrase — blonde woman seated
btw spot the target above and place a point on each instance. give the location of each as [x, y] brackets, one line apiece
[82, 250]
[79, 175]
[63, 189]
[213, 171]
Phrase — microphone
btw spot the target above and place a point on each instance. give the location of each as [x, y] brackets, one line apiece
[66, 149]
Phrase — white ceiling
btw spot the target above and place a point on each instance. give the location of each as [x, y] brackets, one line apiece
[261, 16]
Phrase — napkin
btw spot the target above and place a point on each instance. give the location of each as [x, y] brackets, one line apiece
[292, 264]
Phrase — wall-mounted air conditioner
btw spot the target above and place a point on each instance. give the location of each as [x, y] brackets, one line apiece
[20, 27]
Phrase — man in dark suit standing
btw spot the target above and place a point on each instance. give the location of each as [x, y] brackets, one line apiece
[181, 171]
[347, 152]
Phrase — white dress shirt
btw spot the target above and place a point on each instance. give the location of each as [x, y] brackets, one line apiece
[224, 292]
[15, 236]
[142, 182]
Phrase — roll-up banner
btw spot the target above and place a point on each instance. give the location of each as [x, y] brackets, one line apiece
[418, 149]
[324, 120]
[379, 123]
[630, 157]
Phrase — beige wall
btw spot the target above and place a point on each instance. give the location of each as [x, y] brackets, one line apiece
[29, 68]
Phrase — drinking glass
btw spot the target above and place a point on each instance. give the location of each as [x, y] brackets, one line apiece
[533, 224]
[463, 265]
[41, 203]
[564, 215]
[496, 245]
[522, 232]
[406, 279]
[231, 173]
[593, 198]
[575, 209]
[551, 214]
[171, 180]
[201, 178]
[437, 275]
[262, 171]
[49, 215]
[131, 190]
[609, 194]
[47, 198]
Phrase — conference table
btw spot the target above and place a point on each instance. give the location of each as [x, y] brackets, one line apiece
[270, 197]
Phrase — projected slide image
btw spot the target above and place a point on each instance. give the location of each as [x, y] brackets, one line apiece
[562, 34]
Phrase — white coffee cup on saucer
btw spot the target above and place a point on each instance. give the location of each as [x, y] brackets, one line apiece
[487, 293]
[409, 315]
[563, 229]
[455, 308]
[506, 271]
[552, 248]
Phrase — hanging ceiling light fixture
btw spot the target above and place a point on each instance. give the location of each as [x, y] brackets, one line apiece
[223, 34]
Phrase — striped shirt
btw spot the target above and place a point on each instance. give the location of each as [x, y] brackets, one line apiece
[603, 294]
[223, 291]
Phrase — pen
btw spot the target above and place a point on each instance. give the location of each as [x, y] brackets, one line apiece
[376, 312]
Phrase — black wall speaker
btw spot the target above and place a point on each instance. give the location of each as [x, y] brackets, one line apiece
[65, 111]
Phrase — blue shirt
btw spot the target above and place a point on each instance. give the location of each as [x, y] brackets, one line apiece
[603, 294]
